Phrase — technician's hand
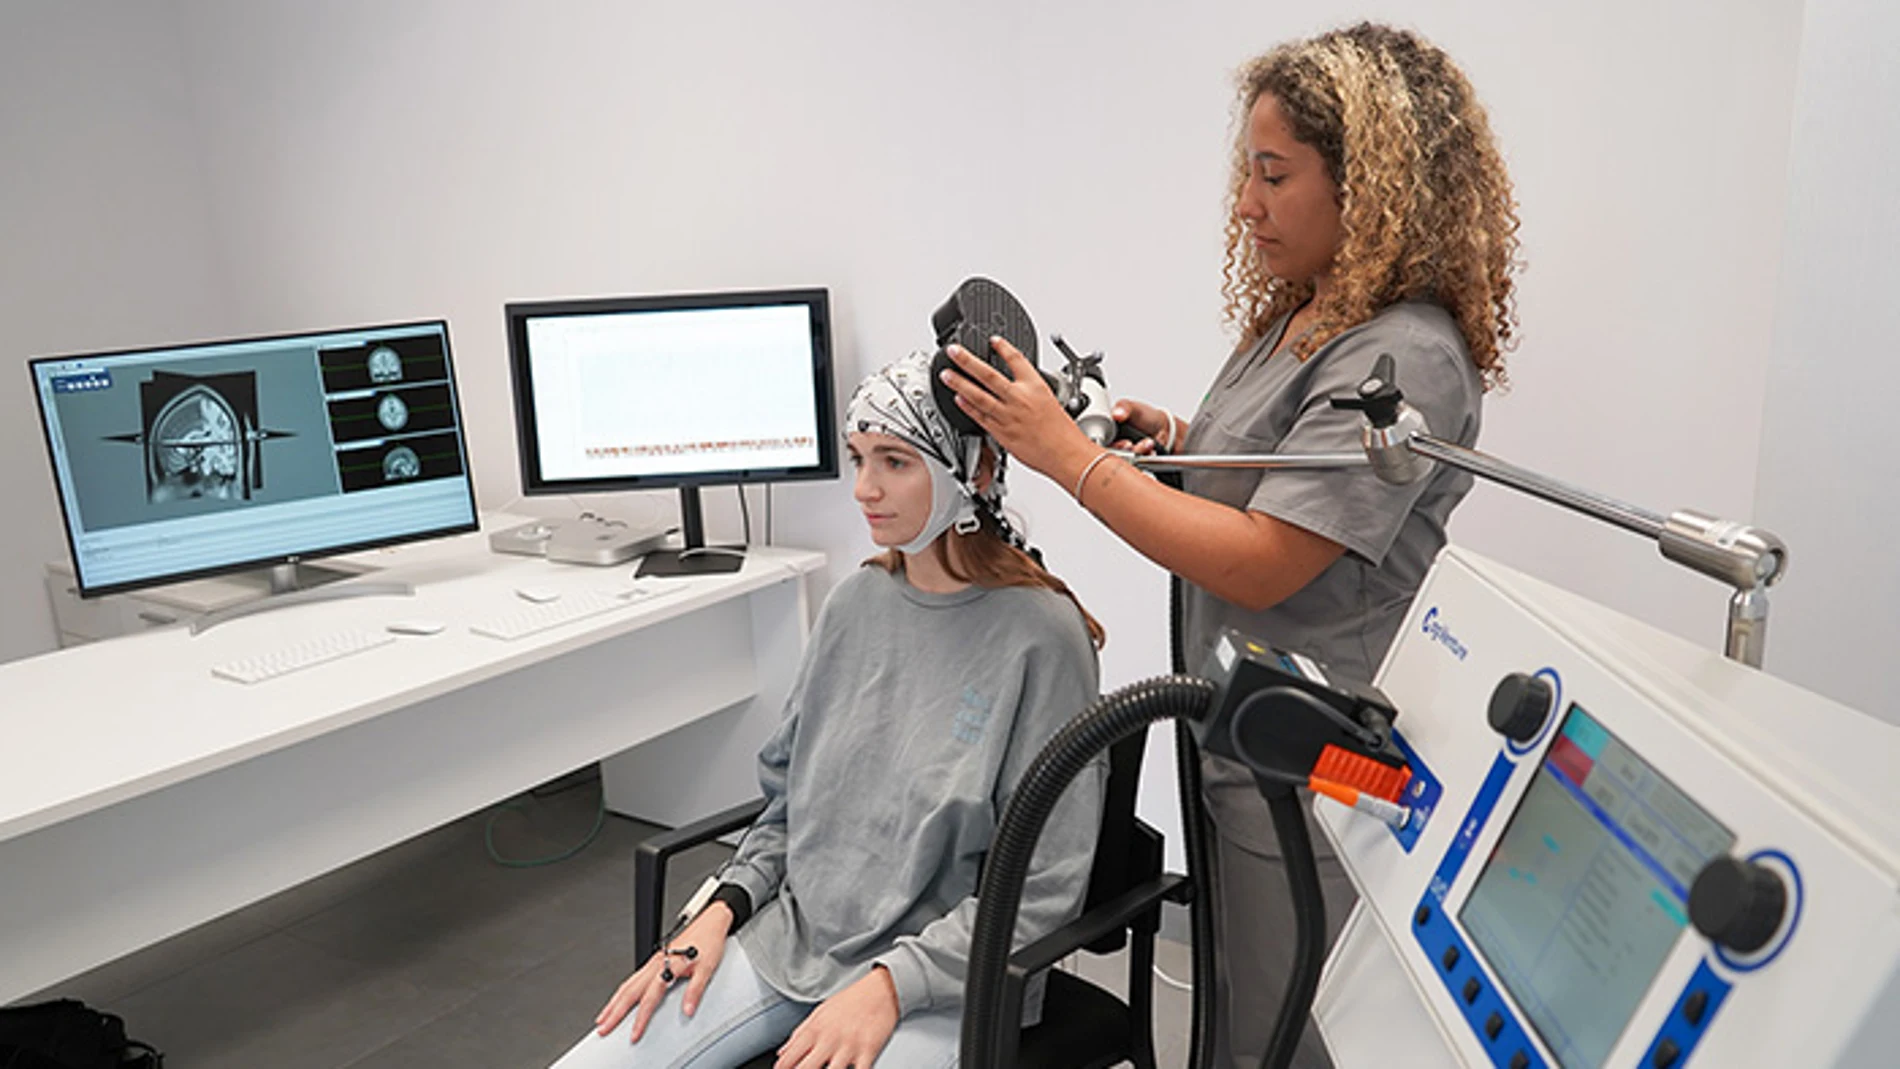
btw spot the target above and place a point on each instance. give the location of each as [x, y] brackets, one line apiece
[847, 1030]
[645, 990]
[1021, 414]
[1152, 421]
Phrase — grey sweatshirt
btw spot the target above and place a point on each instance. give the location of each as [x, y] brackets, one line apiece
[913, 717]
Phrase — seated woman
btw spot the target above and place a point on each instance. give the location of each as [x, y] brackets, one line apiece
[934, 676]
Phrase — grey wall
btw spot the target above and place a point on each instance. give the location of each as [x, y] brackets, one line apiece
[356, 161]
[105, 237]
[1828, 463]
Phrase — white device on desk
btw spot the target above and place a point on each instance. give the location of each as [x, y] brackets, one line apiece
[528, 539]
[1624, 851]
[591, 540]
[586, 539]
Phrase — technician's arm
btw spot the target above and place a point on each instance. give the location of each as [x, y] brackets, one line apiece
[1248, 558]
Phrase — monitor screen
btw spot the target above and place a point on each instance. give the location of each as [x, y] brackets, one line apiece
[196, 459]
[652, 392]
[1588, 888]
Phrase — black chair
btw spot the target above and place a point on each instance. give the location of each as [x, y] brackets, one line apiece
[1082, 1026]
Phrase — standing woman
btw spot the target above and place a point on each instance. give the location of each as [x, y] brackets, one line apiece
[1371, 214]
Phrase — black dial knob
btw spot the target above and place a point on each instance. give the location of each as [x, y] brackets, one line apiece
[1737, 904]
[1519, 706]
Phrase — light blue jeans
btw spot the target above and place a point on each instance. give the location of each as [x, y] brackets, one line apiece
[740, 1017]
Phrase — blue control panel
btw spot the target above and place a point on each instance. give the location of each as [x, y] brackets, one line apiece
[1688, 1019]
[1582, 899]
[1491, 1017]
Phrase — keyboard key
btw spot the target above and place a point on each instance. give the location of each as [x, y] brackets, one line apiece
[320, 650]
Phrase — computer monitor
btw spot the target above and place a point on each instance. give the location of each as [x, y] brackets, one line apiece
[211, 457]
[683, 391]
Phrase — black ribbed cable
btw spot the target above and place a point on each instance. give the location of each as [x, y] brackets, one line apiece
[1106, 721]
[1196, 839]
[1309, 917]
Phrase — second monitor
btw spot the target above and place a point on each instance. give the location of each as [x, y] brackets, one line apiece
[680, 391]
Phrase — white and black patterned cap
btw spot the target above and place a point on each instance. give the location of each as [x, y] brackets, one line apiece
[896, 400]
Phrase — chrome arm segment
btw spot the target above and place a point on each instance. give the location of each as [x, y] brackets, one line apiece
[1629, 517]
[1271, 461]
[1746, 558]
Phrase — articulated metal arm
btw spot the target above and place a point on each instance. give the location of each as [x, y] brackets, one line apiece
[1400, 449]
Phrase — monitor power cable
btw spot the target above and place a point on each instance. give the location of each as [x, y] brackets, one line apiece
[518, 804]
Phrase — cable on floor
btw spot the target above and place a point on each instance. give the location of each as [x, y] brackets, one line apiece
[1178, 985]
[516, 804]
[1068, 965]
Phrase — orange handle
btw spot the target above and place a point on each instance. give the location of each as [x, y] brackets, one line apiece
[1338, 792]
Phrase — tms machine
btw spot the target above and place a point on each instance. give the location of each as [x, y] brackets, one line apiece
[1622, 851]
[1578, 841]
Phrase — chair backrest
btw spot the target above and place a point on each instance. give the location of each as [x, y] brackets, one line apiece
[1128, 851]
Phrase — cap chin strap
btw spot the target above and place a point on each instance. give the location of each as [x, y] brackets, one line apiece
[951, 505]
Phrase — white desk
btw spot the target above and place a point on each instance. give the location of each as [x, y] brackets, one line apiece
[143, 796]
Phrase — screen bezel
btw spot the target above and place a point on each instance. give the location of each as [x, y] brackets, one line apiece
[68, 510]
[519, 313]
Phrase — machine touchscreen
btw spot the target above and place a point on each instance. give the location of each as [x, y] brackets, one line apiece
[1587, 890]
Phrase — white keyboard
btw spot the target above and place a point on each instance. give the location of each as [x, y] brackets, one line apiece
[526, 619]
[272, 663]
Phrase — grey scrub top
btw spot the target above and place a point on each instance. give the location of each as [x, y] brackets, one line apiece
[1348, 615]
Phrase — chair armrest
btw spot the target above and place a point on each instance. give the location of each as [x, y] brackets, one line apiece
[1107, 917]
[649, 867]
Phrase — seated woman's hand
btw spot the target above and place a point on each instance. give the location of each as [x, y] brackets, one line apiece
[847, 1030]
[694, 957]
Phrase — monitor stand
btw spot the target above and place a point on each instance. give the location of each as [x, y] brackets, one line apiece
[300, 583]
[695, 557]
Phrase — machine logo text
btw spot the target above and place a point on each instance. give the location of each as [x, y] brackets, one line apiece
[1436, 630]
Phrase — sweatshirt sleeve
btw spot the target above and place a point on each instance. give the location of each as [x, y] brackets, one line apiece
[928, 969]
[759, 864]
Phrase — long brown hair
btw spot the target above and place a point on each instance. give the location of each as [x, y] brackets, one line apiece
[1426, 203]
[983, 558]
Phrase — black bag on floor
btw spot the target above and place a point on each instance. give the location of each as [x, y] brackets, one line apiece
[68, 1034]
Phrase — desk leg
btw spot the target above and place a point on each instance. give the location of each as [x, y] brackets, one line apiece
[711, 763]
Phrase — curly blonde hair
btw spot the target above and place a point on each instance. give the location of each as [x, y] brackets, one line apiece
[1426, 205]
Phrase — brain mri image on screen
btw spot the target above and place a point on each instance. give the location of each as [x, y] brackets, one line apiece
[392, 413]
[401, 463]
[196, 448]
[384, 365]
[201, 437]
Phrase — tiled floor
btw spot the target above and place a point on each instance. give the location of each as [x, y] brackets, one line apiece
[432, 954]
